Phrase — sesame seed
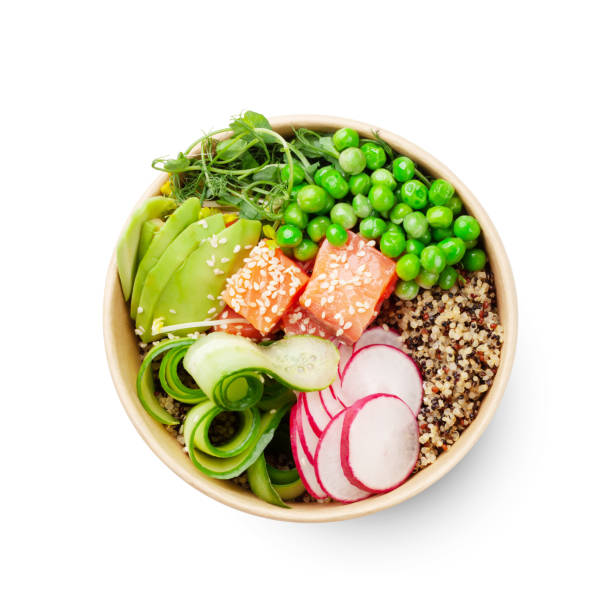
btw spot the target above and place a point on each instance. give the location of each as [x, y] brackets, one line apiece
[218, 272]
[307, 302]
[140, 310]
[211, 310]
[171, 310]
[237, 248]
[224, 259]
[339, 333]
[210, 296]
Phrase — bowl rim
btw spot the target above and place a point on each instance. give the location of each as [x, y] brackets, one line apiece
[317, 512]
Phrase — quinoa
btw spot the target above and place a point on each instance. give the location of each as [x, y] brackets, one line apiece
[455, 337]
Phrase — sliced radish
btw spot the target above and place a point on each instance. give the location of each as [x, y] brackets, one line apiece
[304, 467]
[315, 411]
[378, 335]
[308, 437]
[328, 465]
[379, 368]
[345, 354]
[332, 404]
[380, 443]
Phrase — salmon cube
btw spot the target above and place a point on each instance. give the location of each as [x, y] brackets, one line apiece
[244, 329]
[347, 287]
[265, 288]
[298, 321]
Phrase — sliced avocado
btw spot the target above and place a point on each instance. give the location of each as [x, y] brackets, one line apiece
[127, 246]
[172, 258]
[149, 229]
[187, 296]
[183, 216]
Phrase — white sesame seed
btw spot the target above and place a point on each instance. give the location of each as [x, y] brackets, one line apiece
[210, 296]
[140, 310]
[339, 333]
[307, 302]
[172, 310]
[347, 325]
[224, 259]
[211, 310]
[237, 248]
[203, 223]
[218, 272]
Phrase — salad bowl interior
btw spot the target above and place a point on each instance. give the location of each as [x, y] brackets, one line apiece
[123, 358]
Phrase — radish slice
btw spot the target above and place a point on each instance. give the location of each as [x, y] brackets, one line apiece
[315, 411]
[332, 404]
[304, 467]
[380, 443]
[308, 437]
[345, 354]
[328, 465]
[379, 368]
[378, 335]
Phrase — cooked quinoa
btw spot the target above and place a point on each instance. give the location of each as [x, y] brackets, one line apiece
[454, 336]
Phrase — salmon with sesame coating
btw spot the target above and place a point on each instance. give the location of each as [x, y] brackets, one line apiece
[265, 287]
[298, 321]
[244, 328]
[347, 287]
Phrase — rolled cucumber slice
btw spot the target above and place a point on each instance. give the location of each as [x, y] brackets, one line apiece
[229, 368]
[228, 467]
[127, 246]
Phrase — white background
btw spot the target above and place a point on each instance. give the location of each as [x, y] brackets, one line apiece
[515, 99]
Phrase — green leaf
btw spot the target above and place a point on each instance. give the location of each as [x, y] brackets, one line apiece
[271, 173]
[249, 120]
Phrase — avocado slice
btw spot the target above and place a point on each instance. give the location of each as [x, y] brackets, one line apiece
[149, 229]
[127, 246]
[171, 259]
[187, 296]
[183, 216]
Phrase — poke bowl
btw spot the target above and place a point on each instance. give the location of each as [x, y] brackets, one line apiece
[307, 347]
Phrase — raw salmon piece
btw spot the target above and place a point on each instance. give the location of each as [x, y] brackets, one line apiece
[298, 321]
[347, 287]
[238, 329]
[265, 287]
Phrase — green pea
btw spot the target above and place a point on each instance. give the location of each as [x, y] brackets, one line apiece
[426, 279]
[453, 249]
[440, 192]
[441, 233]
[360, 184]
[383, 177]
[392, 244]
[474, 260]
[375, 155]
[317, 227]
[399, 212]
[426, 237]
[345, 138]
[415, 224]
[294, 215]
[372, 227]
[306, 250]
[294, 191]
[311, 198]
[403, 169]
[406, 290]
[320, 173]
[395, 229]
[466, 227]
[362, 206]
[439, 216]
[344, 215]
[335, 184]
[288, 236]
[470, 244]
[381, 198]
[414, 246]
[408, 267]
[336, 235]
[455, 205]
[414, 193]
[298, 174]
[447, 278]
[329, 204]
[432, 259]
[352, 160]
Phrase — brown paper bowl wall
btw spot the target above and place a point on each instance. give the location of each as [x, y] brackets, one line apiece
[122, 354]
